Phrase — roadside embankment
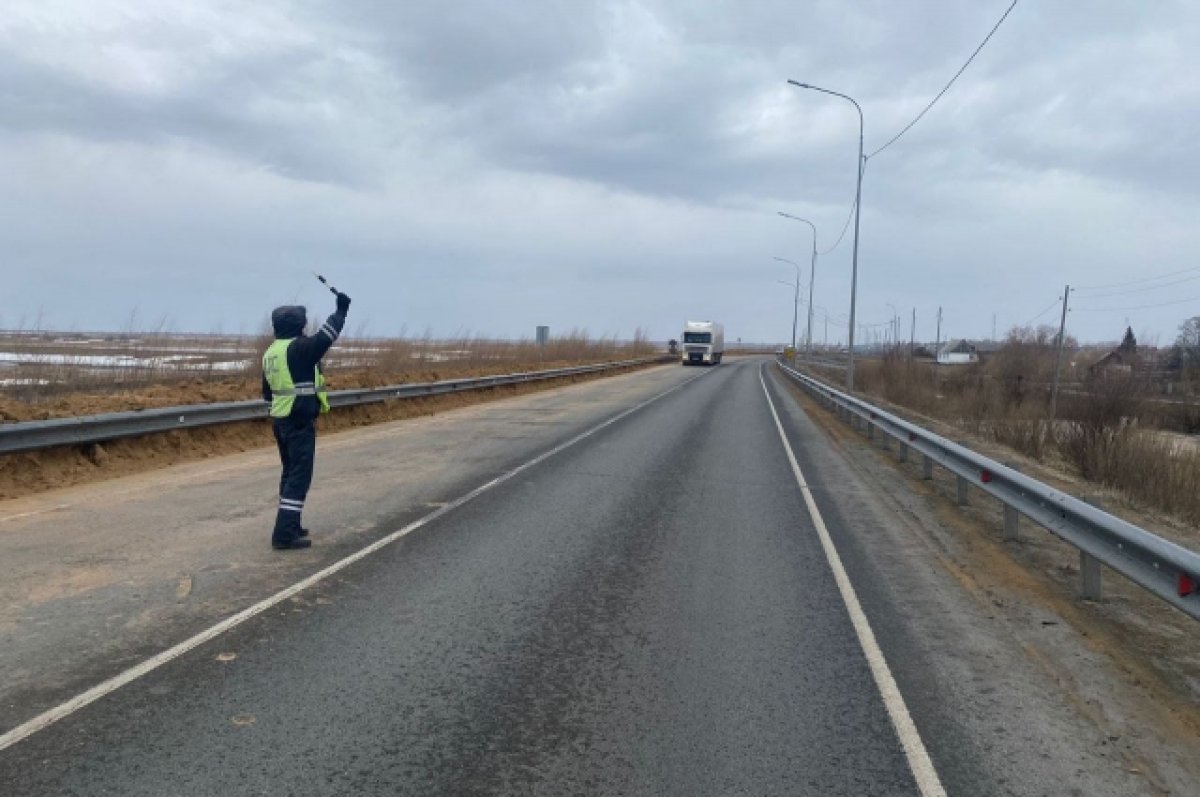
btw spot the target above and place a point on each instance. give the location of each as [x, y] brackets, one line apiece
[47, 469]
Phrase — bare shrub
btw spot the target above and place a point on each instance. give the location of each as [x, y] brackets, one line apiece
[1177, 416]
[1028, 435]
[1160, 472]
[899, 379]
[1097, 425]
[1102, 428]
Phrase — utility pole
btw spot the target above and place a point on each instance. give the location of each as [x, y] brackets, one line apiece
[795, 314]
[937, 350]
[795, 300]
[862, 162]
[912, 335]
[1062, 329]
[993, 327]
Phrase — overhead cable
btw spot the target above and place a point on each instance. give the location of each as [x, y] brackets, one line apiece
[849, 218]
[845, 227]
[948, 85]
[1137, 307]
[1140, 281]
[1049, 307]
[1142, 289]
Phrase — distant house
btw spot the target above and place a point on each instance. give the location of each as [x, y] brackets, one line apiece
[1120, 361]
[922, 353]
[957, 352]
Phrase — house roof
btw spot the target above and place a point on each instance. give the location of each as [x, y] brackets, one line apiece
[958, 346]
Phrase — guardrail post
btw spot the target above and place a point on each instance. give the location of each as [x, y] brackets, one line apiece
[885, 440]
[1012, 518]
[1089, 567]
[962, 491]
[904, 452]
[870, 430]
[926, 467]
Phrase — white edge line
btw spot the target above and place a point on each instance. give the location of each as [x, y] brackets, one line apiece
[918, 758]
[51, 716]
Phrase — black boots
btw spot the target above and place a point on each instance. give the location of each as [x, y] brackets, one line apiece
[290, 545]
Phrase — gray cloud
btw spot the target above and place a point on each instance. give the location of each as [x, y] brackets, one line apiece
[491, 165]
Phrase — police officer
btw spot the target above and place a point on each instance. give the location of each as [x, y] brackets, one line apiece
[295, 386]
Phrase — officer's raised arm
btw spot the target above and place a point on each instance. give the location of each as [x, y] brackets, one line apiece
[313, 347]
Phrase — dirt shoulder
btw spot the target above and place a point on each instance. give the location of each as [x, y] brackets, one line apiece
[38, 471]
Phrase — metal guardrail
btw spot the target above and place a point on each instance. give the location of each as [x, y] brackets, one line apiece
[1170, 571]
[34, 435]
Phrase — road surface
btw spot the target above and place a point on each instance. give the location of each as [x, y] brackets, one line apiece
[640, 601]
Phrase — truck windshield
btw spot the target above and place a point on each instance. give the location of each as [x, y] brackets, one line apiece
[697, 337]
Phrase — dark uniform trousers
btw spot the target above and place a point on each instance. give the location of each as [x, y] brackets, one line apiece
[297, 441]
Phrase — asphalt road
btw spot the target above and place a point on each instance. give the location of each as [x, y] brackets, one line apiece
[647, 611]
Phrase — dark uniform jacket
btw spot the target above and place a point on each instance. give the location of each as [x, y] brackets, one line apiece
[304, 355]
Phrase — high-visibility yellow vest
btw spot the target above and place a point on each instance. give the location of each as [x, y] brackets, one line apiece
[283, 389]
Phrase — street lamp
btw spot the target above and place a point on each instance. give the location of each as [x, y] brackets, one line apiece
[812, 276]
[795, 302]
[857, 212]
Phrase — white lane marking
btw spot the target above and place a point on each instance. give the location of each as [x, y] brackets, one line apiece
[914, 749]
[57, 713]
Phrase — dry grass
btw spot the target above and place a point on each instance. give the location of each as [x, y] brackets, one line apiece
[1105, 428]
[67, 375]
[38, 471]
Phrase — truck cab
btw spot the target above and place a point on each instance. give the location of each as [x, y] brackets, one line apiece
[703, 343]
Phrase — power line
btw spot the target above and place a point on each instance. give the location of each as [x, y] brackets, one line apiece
[1049, 307]
[1142, 289]
[849, 218]
[1139, 281]
[845, 227]
[1138, 307]
[948, 85]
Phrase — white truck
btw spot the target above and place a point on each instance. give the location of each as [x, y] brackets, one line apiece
[703, 343]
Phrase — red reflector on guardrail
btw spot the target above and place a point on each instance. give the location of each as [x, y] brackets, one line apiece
[911, 436]
[985, 477]
[1187, 585]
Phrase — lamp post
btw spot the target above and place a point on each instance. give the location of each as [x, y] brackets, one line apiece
[812, 276]
[795, 302]
[857, 213]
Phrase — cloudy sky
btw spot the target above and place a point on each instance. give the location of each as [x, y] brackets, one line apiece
[483, 167]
